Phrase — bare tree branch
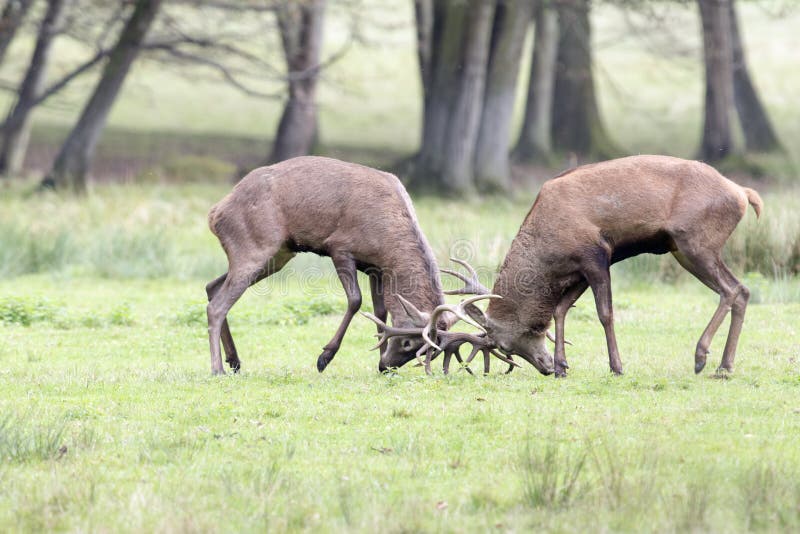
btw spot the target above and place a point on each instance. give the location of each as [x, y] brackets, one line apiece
[226, 72]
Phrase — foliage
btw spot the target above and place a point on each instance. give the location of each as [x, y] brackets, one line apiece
[155, 231]
[192, 169]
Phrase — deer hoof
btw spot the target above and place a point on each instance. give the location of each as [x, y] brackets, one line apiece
[235, 365]
[218, 372]
[324, 359]
[699, 365]
[723, 372]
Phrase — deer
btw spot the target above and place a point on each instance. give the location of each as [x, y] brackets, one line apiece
[593, 216]
[361, 218]
[587, 219]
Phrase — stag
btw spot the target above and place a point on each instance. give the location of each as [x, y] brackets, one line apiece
[591, 217]
[360, 217]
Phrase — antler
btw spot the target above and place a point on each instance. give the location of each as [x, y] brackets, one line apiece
[459, 311]
[480, 343]
[472, 284]
[390, 331]
[449, 342]
[419, 318]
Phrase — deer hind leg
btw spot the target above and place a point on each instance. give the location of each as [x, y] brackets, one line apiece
[231, 289]
[223, 294]
[346, 269]
[567, 300]
[227, 339]
[709, 269]
[599, 278]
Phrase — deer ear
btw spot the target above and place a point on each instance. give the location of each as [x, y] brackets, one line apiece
[477, 315]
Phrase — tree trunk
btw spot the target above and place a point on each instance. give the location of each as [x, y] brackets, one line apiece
[534, 144]
[759, 135]
[16, 129]
[424, 17]
[301, 26]
[462, 134]
[718, 56]
[440, 85]
[73, 161]
[10, 20]
[456, 78]
[511, 22]
[576, 124]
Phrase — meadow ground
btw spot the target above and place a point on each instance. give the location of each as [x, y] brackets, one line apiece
[112, 422]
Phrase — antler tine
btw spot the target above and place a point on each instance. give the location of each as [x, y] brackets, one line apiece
[552, 338]
[418, 356]
[510, 362]
[412, 311]
[390, 331]
[472, 284]
[472, 272]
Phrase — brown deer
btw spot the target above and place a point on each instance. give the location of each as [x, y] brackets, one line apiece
[361, 217]
[593, 216]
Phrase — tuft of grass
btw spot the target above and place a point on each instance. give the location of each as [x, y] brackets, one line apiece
[552, 474]
[22, 442]
[24, 249]
[119, 253]
[770, 497]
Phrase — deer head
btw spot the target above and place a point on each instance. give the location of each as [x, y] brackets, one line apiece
[429, 338]
[507, 333]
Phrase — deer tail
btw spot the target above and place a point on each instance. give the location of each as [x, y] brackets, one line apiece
[755, 200]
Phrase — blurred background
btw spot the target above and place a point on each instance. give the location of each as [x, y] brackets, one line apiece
[473, 103]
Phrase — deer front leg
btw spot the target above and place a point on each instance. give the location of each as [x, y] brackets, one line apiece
[346, 269]
[567, 300]
[378, 303]
[599, 280]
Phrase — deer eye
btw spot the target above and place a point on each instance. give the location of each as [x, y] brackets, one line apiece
[407, 344]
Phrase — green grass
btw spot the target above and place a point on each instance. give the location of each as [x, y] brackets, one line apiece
[110, 420]
[120, 427]
[159, 230]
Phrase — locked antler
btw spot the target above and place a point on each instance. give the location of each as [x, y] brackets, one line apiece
[472, 286]
[459, 310]
[446, 342]
[480, 343]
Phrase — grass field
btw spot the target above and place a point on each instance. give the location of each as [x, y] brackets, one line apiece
[111, 420]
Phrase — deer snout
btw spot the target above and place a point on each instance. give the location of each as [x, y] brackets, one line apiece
[542, 360]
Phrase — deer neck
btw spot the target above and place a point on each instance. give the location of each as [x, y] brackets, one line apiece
[528, 287]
